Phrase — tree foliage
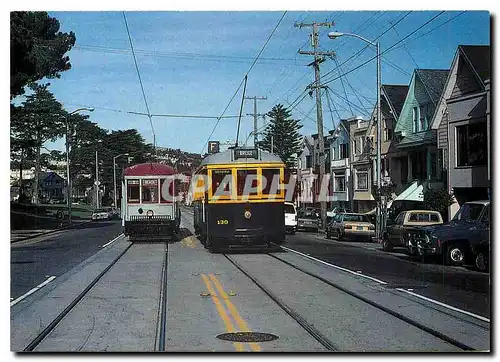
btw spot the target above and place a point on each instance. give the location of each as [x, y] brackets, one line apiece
[37, 49]
[285, 135]
[438, 200]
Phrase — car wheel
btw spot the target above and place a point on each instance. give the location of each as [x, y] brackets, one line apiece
[482, 261]
[455, 254]
[339, 235]
[328, 235]
[292, 232]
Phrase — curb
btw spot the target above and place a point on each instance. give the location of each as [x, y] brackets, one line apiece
[70, 226]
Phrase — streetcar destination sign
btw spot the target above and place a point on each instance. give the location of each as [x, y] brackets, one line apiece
[245, 153]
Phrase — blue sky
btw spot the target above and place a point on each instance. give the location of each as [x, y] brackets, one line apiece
[191, 63]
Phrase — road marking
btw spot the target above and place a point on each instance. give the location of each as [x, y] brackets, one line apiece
[109, 242]
[234, 312]
[400, 289]
[39, 286]
[222, 312]
[445, 305]
[334, 266]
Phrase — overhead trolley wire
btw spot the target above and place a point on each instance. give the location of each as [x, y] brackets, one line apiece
[241, 83]
[140, 81]
[386, 50]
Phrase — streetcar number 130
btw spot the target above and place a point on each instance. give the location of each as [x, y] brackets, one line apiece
[222, 222]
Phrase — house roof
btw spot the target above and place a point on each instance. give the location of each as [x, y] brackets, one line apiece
[395, 95]
[227, 157]
[434, 81]
[478, 57]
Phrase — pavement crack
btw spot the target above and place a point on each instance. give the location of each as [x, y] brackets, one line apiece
[89, 334]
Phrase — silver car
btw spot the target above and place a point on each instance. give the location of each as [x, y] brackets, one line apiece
[101, 214]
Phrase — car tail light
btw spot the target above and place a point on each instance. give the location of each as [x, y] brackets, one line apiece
[348, 226]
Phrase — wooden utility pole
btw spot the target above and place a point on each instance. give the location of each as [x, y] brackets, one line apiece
[318, 58]
[255, 115]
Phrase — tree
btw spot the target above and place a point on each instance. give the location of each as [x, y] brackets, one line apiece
[40, 119]
[37, 49]
[285, 135]
[438, 200]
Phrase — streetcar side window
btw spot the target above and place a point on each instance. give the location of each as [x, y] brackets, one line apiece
[150, 191]
[271, 178]
[132, 191]
[241, 178]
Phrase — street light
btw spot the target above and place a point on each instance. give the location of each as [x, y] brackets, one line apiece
[114, 177]
[68, 188]
[334, 35]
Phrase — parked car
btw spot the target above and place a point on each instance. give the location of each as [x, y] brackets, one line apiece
[465, 238]
[397, 231]
[101, 214]
[290, 218]
[308, 220]
[351, 226]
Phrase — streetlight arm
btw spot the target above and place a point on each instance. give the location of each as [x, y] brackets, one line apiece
[81, 109]
[334, 35]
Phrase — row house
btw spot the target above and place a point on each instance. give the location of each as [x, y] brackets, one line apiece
[340, 166]
[462, 124]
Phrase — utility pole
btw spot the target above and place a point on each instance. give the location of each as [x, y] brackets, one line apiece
[318, 58]
[255, 115]
[96, 180]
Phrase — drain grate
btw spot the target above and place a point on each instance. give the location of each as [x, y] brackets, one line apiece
[247, 337]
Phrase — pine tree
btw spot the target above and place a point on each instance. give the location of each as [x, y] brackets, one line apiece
[285, 133]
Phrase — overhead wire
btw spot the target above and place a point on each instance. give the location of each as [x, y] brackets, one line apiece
[140, 81]
[251, 67]
[386, 50]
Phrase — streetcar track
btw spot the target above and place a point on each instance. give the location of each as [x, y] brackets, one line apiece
[162, 308]
[314, 332]
[395, 314]
[52, 325]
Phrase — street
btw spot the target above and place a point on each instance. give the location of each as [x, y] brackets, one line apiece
[35, 260]
[457, 286]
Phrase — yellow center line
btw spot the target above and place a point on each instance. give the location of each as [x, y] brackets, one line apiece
[234, 312]
[222, 313]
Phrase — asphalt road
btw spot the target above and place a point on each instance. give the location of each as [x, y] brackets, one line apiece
[457, 286]
[33, 262]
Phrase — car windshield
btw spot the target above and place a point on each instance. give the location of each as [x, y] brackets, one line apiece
[308, 215]
[355, 217]
[469, 212]
[289, 209]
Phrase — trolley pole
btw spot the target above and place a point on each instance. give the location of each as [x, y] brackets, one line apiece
[255, 115]
[318, 58]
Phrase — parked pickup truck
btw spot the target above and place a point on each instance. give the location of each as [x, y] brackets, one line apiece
[397, 231]
[465, 238]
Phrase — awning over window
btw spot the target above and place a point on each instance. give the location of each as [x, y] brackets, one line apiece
[414, 192]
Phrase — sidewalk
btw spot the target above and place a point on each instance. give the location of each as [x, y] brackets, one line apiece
[25, 234]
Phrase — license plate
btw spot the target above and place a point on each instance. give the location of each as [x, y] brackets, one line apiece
[360, 228]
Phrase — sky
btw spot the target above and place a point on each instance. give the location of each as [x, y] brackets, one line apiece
[191, 63]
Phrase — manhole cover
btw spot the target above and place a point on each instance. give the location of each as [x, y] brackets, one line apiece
[247, 337]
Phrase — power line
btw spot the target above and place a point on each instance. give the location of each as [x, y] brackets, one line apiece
[385, 51]
[366, 46]
[234, 95]
[140, 81]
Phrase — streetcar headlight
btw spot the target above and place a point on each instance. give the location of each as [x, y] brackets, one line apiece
[149, 213]
[248, 214]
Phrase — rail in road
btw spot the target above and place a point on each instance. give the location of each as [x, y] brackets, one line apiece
[178, 297]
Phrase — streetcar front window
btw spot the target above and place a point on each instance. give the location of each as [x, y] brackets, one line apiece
[150, 191]
[221, 182]
[133, 191]
[271, 181]
[248, 179]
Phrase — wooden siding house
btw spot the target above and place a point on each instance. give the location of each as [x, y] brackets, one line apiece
[462, 126]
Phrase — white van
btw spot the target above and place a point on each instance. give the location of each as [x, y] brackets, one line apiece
[290, 218]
